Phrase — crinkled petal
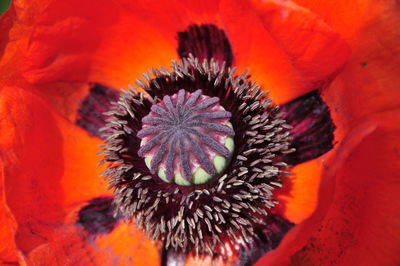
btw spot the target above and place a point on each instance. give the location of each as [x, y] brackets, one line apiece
[9, 252]
[50, 168]
[369, 82]
[125, 245]
[56, 48]
[288, 49]
[49, 165]
[112, 44]
[50, 171]
[356, 219]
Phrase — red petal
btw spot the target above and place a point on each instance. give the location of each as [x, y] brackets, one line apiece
[348, 17]
[50, 169]
[49, 165]
[289, 50]
[72, 41]
[56, 48]
[115, 42]
[107, 44]
[357, 215]
[369, 83]
[9, 253]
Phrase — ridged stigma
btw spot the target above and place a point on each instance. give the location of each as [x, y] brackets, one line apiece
[187, 138]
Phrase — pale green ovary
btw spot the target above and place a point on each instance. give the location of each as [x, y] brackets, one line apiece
[219, 163]
[180, 180]
[200, 176]
[147, 161]
[229, 144]
[161, 174]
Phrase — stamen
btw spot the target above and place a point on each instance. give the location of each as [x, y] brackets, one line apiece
[194, 158]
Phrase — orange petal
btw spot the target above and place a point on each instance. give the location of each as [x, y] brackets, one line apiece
[289, 50]
[357, 215]
[49, 166]
[125, 245]
[299, 194]
[128, 242]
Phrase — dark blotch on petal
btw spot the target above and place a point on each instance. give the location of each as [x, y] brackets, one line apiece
[97, 217]
[205, 42]
[312, 127]
[90, 114]
[268, 238]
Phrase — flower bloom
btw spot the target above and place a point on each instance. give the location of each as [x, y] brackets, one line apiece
[62, 63]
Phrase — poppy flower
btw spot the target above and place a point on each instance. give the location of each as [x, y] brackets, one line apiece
[62, 64]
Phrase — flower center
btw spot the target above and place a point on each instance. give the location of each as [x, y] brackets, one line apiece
[187, 138]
